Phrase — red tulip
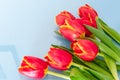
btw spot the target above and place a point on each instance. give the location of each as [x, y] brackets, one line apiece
[60, 18]
[72, 30]
[89, 13]
[59, 59]
[33, 67]
[84, 22]
[85, 49]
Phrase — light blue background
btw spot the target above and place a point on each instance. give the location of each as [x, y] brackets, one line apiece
[27, 28]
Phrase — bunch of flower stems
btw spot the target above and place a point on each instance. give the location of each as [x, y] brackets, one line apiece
[107, 63]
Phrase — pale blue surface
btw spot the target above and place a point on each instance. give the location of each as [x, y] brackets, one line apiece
[27, 28]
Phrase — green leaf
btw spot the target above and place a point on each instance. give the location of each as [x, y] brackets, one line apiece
[62, 47]
[99, 25]
[76, 78]
[99, 75]
[88, 74]
[106, 50]
[66, 72]
[114, 34]
[101, 63]
[118, 67]
[104, 38]
[76, 74]
[57, 32]
[99, 70]
[112, 66]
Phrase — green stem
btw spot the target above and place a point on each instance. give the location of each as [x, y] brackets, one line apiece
[58, 75]
[78, 65]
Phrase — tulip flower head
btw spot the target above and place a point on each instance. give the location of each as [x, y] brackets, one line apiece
[60, 18]
[33, 67]
[85, 49]
[72, 30]
[89, 13]
[59, 58]
[83, 22]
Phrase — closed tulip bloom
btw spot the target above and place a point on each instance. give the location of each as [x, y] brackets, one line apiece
[89, 13]
[60, 18]
[83, 22]
[69, 34]
[85, 49]
[72, 30]
[33, 67]
[59, 59]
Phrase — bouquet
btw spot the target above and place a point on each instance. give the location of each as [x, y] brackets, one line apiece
[93, 53]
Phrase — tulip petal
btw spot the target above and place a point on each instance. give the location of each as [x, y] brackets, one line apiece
[34, 62]
[60, 18]
[69, 34]
[27, 71]
[72, 30]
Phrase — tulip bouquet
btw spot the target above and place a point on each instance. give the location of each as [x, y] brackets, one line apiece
[92, 54]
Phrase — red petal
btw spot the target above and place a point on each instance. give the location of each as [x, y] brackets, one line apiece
[60, 18]
[35, 62]
[77, 26]
[69, 34]
[32, 73]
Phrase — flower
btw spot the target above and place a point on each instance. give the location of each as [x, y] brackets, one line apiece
[60, 18]
[59, 59]
[33, 67]
[84, 22]
[85, 49]
[88, 13]
[72, 30]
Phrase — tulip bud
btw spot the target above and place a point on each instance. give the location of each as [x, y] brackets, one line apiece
[60, 18]
[72, 30]
[33, 67]
[59, 59]
[85, 49]
[89, 13]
